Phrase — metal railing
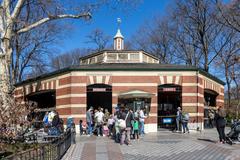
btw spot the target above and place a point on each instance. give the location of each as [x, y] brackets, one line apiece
[54, 150]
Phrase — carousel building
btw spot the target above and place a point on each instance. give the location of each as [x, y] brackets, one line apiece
[130, 77]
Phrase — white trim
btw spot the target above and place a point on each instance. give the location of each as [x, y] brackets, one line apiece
[107, 79]
[134, 84]
[161, 79]
[73, 85]
[152, 114]
[73, 115]
[99, 79]
[52, 85]
[191, 85]
[71, 95]
[72, 106]
[169, 79]
[91, 79]
[64, 76]
[154, 104]
[192, 94]
[192, 104]
[177, 80]
[196, 114]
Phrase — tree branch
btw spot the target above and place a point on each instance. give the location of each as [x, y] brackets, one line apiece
[44, 20]
[17, 9]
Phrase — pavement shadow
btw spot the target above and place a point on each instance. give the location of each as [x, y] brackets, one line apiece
[206, 140]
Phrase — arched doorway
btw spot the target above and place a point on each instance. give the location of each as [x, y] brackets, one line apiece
[169, 98]
[99, 95]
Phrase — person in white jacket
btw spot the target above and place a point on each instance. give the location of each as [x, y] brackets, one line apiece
[141, 120]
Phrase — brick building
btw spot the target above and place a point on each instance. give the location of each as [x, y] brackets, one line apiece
[130, 77]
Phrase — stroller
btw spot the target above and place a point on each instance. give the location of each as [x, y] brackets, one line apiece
[234, 134]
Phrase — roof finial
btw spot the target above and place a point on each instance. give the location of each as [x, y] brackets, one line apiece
[119, 22]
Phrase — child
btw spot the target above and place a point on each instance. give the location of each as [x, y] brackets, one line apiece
[136, 128]
[105, 130]
[73, 133]
[82, 127]
[110, 124]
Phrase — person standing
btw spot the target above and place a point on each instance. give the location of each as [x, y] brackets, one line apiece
[89, 120]
[185, 119]
[211, 118]
[99, 118]
[141, 120]
[178, 119]
[45, 119]
[220, 123]
[126, 115]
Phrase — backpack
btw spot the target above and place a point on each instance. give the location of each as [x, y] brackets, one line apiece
[186, 117]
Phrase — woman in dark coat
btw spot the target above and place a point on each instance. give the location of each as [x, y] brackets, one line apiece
[220, 123]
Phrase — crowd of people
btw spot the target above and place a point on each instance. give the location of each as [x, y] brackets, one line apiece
[122, 126]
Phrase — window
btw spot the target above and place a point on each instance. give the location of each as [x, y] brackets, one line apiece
[112, 56]
[92, 60]
[122, 56]
[144, 58]
[100, 58]
[84, 61]
[134, 56]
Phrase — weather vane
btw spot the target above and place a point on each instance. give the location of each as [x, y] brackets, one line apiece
[119, 22]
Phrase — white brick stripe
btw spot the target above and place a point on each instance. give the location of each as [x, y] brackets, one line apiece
[74, 116]
[170, 79]
[72, 85]
[72, 106]
[134, 84]
[192, 104]
[161, 80]
[177, 80]
[71, 95]
[196, 114]
[99, 79]
[152, 114]
[91, 79]
[107, 79]
[192, 94]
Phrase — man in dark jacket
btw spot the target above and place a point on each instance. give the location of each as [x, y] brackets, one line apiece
[220, 123]
[125, 114]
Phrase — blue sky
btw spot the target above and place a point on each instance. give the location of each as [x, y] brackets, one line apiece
[105, 19]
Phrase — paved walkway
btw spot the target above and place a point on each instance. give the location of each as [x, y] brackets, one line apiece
[163, 145]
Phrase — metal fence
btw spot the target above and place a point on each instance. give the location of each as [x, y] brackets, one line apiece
[50, 151]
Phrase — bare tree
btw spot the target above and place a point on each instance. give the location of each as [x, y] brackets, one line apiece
[67, 59]
[155, 37]
[16, 12]
[229, 14]
[98, 38]
[226, 57]
[198, 29]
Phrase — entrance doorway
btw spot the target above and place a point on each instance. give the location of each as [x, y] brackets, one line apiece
[209, 107]
[169, 98]
[99, 95]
